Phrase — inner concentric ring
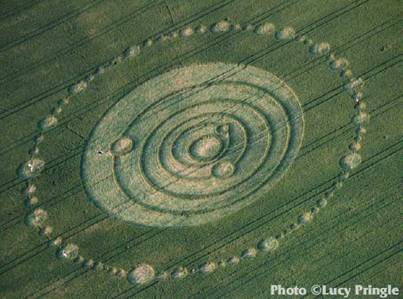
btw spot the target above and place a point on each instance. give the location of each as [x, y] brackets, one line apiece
[200, 142]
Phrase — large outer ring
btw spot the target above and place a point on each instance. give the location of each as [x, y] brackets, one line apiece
[100, 185]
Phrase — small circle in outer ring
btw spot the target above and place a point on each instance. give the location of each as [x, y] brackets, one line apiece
[223, 169]
[122, 146]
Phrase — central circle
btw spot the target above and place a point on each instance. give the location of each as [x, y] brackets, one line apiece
[206, 148]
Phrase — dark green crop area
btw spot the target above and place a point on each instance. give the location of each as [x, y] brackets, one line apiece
[48, 45]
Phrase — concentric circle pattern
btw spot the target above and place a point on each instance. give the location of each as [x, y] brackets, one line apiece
[193, 145]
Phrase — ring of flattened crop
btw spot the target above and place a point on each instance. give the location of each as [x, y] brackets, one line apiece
[150, 185]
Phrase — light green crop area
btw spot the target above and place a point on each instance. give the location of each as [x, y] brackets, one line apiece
[205, 140]
[199, 149]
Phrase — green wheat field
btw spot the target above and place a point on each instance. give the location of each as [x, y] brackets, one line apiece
[200, 149]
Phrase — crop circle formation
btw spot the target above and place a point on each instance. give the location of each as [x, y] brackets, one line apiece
[193, 144]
